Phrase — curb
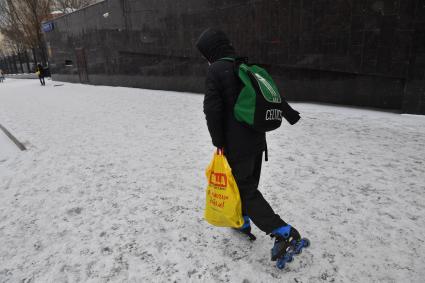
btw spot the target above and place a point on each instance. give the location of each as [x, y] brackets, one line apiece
[12, 138]
[21, 76]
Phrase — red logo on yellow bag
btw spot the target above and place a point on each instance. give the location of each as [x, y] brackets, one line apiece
[218, 179]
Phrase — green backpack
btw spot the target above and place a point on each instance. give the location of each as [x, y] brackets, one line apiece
[259, 103]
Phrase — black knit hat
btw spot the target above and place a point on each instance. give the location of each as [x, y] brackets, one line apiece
[214, 44]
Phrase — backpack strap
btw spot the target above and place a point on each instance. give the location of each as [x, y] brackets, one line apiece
[237, 61]
[230, 59]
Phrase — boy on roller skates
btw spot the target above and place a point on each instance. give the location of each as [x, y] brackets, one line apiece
[243, 146]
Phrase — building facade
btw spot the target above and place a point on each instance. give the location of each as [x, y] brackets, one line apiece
[354, 52]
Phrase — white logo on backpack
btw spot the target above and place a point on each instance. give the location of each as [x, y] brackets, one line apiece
[274, 114]
[275, 96]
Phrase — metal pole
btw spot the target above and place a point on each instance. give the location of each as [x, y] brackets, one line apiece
[20, 62]
[27, 60]
[9, 65]
[15, 67]
[34, 56]
[15, 140]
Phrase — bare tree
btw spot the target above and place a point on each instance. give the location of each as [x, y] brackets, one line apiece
[20, 22]
[5, 47]
[67, 6]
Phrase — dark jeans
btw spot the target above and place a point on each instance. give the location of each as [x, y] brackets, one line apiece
[247, 174]
[42, 80]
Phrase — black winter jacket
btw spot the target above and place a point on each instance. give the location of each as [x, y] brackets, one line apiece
[222, 89]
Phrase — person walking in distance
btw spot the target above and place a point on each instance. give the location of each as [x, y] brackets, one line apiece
[242, 145]
[40, 72]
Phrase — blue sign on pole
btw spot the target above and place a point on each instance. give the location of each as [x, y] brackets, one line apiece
[47, 27]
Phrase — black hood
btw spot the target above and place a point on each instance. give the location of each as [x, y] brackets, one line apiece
[214, 44]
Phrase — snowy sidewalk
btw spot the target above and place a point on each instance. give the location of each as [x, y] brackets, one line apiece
[8, 150]
[112, 188]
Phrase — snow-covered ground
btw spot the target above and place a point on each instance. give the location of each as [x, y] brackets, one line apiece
[7, 148]
[112, 189]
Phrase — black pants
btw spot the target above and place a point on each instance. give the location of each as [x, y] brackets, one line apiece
[42, 80]
[247, 174]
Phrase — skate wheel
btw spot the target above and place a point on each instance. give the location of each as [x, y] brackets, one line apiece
[287, 258]
[290, 259]
[280, 264]
[306, 243]
[252, 237]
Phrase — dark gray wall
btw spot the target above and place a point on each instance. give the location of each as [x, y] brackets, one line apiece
[357, 52]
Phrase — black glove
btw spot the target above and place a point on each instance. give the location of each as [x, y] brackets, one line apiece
[291, 115]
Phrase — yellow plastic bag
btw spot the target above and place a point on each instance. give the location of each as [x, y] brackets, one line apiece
[223, 203]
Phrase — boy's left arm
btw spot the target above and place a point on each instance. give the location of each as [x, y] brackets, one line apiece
[214, 110]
